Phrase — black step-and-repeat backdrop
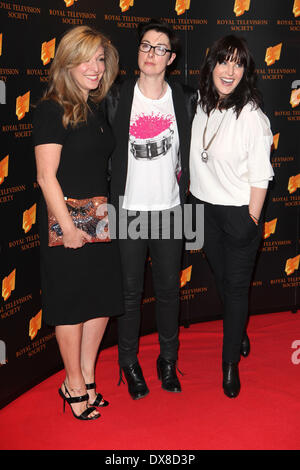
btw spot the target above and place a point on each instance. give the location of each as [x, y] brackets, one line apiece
[29, 33]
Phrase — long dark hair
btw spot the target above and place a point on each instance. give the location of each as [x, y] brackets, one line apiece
[229, 48]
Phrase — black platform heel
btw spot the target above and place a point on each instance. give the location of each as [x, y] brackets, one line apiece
[99, 397]
[85, 415]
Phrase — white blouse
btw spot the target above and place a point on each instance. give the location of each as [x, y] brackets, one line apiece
[238, 156]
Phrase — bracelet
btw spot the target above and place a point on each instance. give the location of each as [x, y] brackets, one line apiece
[255, 220]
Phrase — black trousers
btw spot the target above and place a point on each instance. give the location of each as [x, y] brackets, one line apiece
[231, 242]
[166, 264]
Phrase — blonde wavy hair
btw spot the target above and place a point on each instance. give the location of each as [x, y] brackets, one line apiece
[76, 46]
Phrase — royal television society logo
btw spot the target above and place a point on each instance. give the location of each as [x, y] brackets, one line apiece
[291, 265]
[22, 105]
[273, 54]
[240, 6]
[185, 276]
[296, 8]
[8, 284]
[181, 6]
[69, 3]
[240, 23]
[29, 218]
[125, 5]
[35, 325]
[294, 183]
[269, 228]
[4, 168]
[276, 140]
[47, 51]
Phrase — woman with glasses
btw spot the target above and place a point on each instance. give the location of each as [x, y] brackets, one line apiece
[151, 119]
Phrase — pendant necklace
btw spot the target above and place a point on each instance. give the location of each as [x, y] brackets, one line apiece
[204, 153]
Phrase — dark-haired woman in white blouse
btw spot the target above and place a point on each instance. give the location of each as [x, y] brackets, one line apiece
[230, 170]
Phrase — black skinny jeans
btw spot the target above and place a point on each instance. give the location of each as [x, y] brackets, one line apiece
[231, 242]
[166, 264]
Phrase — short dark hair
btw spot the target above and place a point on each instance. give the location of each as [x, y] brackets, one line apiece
[229, 48]
[161, 27]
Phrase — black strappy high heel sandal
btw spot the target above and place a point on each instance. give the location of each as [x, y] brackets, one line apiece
[99, 397]
[85, 415]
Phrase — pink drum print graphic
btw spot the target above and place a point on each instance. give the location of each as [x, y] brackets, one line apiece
[151, 136]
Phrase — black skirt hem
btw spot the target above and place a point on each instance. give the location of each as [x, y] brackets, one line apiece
[51, 322]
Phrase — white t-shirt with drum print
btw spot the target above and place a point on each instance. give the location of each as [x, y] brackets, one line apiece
[153, 149]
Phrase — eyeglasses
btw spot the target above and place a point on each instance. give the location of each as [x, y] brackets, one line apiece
[158, 50]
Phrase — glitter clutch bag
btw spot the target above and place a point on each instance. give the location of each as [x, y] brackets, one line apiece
[89, 215]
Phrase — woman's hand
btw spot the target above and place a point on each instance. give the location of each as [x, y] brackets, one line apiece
[257, 198]
[75, 238]
[47, 161]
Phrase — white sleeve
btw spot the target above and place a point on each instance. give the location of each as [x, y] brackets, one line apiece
[258, 141]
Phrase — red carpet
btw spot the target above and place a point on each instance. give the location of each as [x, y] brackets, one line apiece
[266, 414]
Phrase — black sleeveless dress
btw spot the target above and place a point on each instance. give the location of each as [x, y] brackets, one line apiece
[84, 283]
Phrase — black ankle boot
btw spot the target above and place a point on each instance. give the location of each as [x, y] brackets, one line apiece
[245, 346]
[166, 371]
[231, 380]
[137, 387]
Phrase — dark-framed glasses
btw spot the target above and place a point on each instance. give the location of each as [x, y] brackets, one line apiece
[158, 50]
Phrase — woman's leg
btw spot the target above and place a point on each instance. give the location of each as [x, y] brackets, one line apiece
[231, 243]
[232, 259]
[240, 254]
[166, 255]
[214, 238]
[166, 264]
[133, 257]
[92, 334]
[69, 338]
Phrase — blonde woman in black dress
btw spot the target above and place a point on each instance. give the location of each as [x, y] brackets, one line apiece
[80, 284]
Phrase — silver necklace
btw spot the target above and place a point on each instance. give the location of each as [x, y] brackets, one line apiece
[204, 153]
